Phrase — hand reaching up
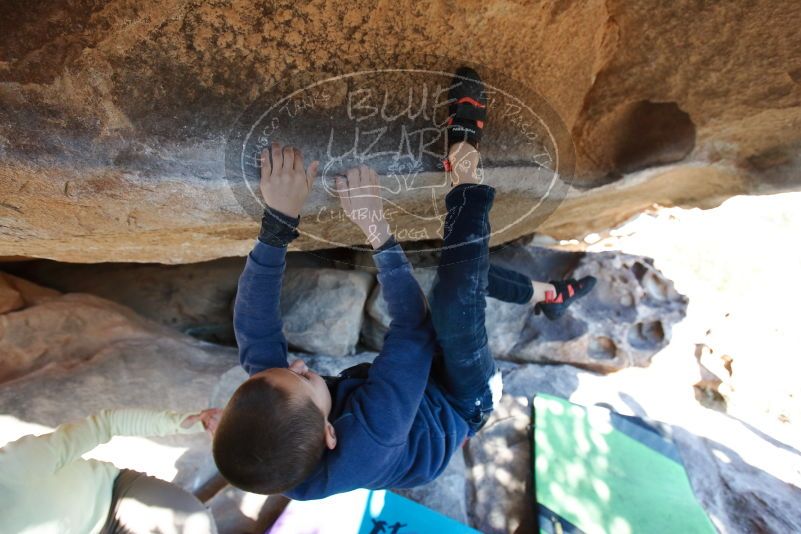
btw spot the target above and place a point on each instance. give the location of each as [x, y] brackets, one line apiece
[210, 419]
[285, 183]
[361, 199]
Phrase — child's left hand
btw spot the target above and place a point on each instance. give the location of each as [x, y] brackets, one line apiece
[210, 419]
[285, 183]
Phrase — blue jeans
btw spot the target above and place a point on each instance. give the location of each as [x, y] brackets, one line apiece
[458, 302]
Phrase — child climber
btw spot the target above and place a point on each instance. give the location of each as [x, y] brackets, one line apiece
[395, 423]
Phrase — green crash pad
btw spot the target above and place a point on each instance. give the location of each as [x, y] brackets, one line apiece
[599, 471]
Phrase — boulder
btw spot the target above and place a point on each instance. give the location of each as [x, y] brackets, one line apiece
[322, 309]
[715, 371]
[17, 293]
[196, 298]
[10, 299]
[65, 331]
[90, 354]
[377, 317]
[124, 363]
[622, 323]
[115, 121]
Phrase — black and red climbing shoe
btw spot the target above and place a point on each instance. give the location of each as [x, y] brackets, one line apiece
[467, 111]
[567, 292]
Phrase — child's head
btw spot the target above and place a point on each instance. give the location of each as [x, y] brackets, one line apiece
[274, 430]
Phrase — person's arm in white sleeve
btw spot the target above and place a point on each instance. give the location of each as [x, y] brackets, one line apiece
[32, 457]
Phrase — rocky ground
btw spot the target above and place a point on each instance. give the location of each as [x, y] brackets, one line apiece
[125, 335]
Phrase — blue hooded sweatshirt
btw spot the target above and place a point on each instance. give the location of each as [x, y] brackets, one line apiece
[394, 426]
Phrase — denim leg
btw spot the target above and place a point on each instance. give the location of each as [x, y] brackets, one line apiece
[509, 286]
[458, 302]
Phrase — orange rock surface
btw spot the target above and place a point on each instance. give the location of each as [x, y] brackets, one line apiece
[114, 115]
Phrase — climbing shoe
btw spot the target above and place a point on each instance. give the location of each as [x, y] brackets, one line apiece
[567, 292]
[467, 111]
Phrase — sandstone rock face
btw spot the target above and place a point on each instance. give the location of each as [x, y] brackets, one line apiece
[10, 298]
[622, 323]
[115, 117]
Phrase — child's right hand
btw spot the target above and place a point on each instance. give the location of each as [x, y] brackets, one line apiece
[361, 199]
